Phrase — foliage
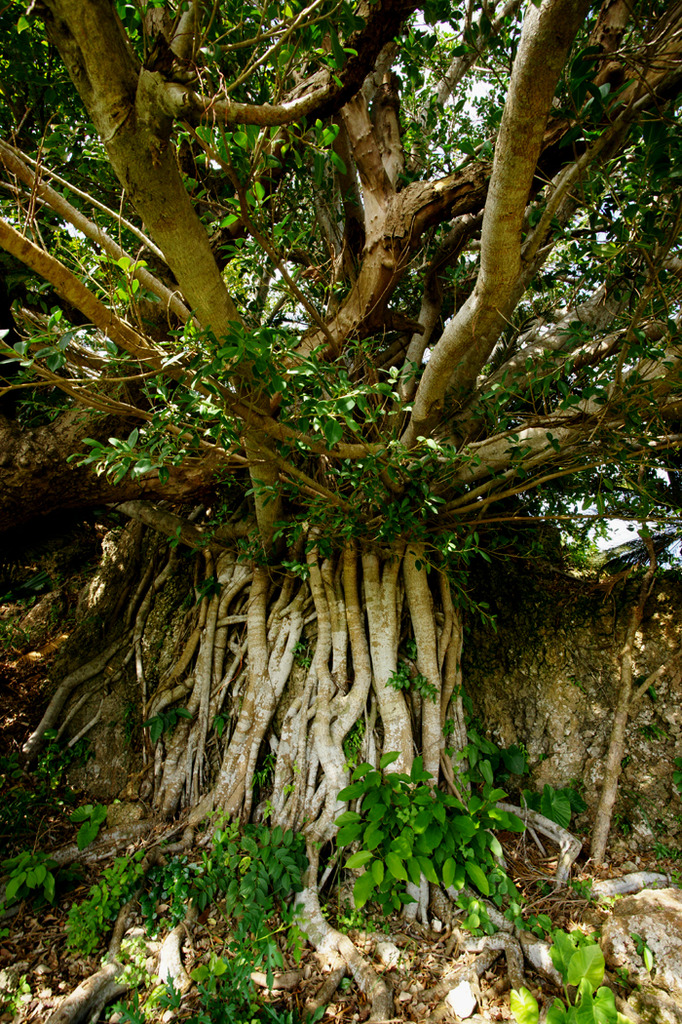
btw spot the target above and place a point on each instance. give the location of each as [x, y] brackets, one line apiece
[164, 722]
[677, 775]
[92, 817]
[31, 875]
[580, 962]
[403, 679]
[14, 995]
[88, 921]
[26, 796]
[558, 805]
[485, 758]
[251, 874]
[276, 278]
[406, 827]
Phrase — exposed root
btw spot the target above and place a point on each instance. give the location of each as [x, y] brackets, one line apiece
[569, 845]
[536, 953]
[88, 1000]
[634, 882]
[326, 991]
[105, 846]
[330, 942]
[465, 972]
[512, 951]
[285, 982]
[170, 965]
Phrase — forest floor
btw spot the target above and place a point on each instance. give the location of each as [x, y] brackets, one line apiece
[38, 966]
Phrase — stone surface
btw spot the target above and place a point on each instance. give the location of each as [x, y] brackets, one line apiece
[461, 1000]
[656, 918]
[547, 677]
[388, 953]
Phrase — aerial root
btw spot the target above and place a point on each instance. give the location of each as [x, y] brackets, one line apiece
[64, 690]
[569, 845]
[335, 946]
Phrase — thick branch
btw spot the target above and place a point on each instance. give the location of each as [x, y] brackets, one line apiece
[469, 338]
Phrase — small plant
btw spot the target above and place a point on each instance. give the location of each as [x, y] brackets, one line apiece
[558, 805]
[88, 921]
[401, 679]
[580, 962]
[164, 722]
[13, 995]
[407, 827]
[352, 745]
[252, 874]
[262, 777]
[30, 875]
[92, 817]
[643, 951]
[302, 654]
[677, 775]
[503, 762]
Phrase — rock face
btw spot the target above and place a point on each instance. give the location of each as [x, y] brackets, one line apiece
[548, 676]
[653, 918]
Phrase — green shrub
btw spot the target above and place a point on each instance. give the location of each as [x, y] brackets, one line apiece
[406, 827]
[580, 962]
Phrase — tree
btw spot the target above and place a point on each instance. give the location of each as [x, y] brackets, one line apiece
[383, 280]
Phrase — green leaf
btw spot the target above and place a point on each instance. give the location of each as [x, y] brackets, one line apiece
[605, 1006]
[333, 432]
[396, 867]
[414, 870]
[359, 859]
[524, 1006]
[377, 870]
[448, 872]
[477, 877]
[389, 758]
[562, 952]
[363, 889]
[48, 888]
[347, 818]
[86, 834]
[81, 814]
[352, 792]
[587, 963]
[558, 1014]
[428, 870]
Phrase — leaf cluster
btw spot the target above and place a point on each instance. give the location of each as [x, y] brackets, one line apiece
[580, 962]
[407, 828]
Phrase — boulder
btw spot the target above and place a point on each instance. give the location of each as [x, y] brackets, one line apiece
[652, 919]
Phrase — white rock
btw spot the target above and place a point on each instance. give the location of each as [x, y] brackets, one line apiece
[462, 1000]
[388, 953]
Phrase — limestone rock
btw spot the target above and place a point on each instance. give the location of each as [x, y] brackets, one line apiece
[656, 918]
[388, 953]
[461, 1000]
